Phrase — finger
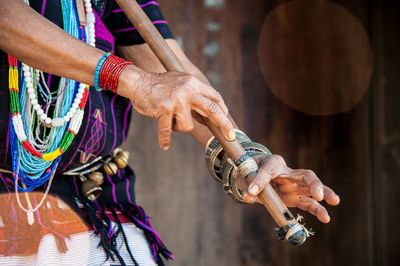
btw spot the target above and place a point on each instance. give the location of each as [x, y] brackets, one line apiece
[164, 131]
[314, 207]
[184, 119]
[271, 168]
[211, 110]
[215, 96]
[331, 197]
[293, 188]
[309, 178]
[248, 198]
[316, 186]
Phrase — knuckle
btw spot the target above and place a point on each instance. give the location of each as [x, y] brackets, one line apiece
[277, 158]
[167, 106]
[217, 96]
[187, 128]
[188, 80]
[309, 172]
[165, 131]
[213, 108]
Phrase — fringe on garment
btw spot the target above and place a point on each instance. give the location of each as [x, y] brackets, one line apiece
[18, 237]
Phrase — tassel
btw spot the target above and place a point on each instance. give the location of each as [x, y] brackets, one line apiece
[138, 217]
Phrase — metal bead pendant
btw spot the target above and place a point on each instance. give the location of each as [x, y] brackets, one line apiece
[110, 168]
[96, 177]
[124, 154]
[91, 190]
[121, 161]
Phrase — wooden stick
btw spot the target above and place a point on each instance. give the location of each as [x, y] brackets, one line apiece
[170, 61]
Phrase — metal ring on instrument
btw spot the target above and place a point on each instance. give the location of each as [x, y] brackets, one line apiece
[229, 184]
[213, 149]
[211, 155]
[229, 170]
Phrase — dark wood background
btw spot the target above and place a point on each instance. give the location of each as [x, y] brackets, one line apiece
[316, 81]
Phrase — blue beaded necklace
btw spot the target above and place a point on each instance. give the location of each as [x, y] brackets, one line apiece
[33, 171]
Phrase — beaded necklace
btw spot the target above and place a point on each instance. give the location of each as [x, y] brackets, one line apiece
[37, 140]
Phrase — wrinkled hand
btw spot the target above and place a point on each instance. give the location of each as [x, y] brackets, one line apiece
[171, 97]
[297, 187]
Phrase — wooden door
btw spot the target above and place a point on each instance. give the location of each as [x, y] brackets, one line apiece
[314, 80]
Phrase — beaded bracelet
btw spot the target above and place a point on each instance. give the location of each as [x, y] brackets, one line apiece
[111, 72]
[108, 72]
[98, 69]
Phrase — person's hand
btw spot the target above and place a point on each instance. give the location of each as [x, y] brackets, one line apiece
[297, 187]
[171, 97]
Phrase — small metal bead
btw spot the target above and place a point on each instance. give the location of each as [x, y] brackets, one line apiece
[121, 161]
[110, 168]
[124, 154]
[97, 177]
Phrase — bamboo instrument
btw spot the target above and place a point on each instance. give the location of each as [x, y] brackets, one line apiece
[289, 227]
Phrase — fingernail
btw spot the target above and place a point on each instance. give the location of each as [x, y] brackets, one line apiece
[232, 135]
[165, 148]
[328, 219]
[253, 189]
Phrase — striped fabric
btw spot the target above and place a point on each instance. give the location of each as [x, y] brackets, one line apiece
[83, 250]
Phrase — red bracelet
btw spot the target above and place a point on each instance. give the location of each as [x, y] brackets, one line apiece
[110, 72]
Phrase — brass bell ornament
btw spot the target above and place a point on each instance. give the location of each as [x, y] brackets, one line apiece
[121, 161]
[91, 190]
[96, 177]
[110, 168]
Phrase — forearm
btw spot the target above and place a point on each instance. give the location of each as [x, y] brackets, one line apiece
[41, 44]
[144, 58]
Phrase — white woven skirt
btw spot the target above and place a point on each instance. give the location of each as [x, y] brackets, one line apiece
[83, 250]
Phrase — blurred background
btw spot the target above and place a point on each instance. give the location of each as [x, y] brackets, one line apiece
[317, 82]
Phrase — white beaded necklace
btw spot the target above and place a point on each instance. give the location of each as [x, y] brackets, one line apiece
[32, 91]
[74, 114]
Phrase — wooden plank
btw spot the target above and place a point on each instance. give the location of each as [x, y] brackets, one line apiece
[386, 131]
[203, 226]
[198, 221]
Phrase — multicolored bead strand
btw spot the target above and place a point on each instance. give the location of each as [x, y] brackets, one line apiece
[37, 161]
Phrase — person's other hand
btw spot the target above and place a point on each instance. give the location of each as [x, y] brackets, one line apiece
[171, 97]
[296, 187]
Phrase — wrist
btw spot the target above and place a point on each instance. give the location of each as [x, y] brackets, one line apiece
[128, 81]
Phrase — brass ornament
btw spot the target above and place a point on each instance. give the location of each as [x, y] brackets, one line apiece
[96, 177]
[121, 161]
[110, 168]
[124, 154]
[91, 190]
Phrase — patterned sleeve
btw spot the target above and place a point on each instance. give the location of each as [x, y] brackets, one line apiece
[123, 30]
